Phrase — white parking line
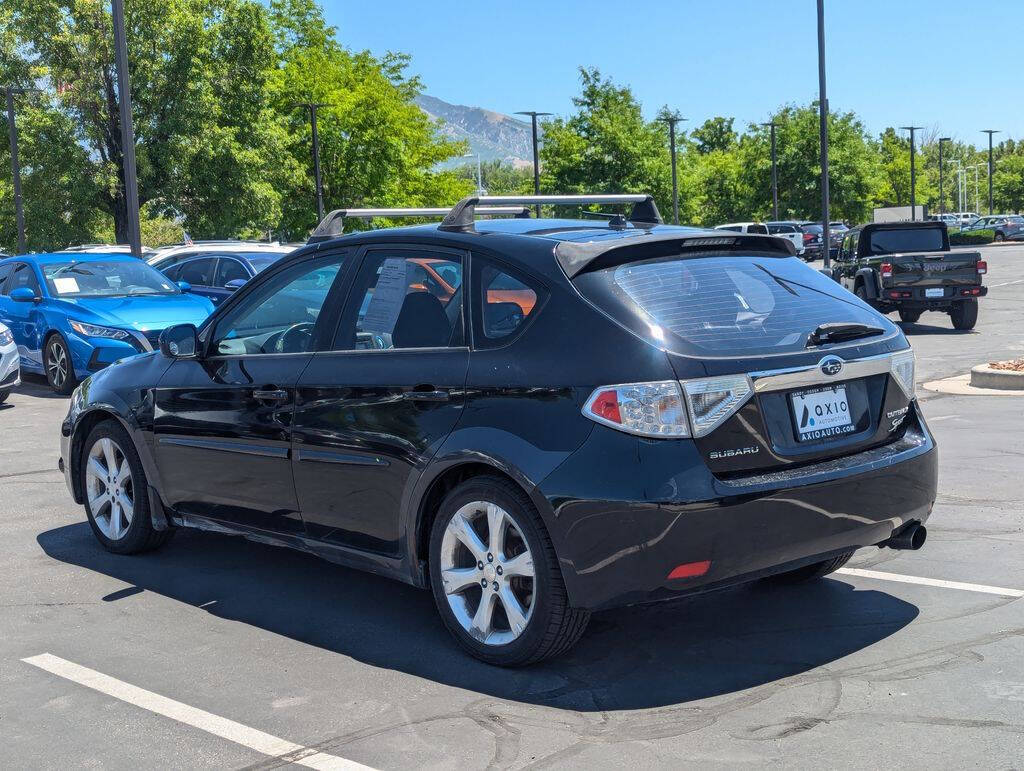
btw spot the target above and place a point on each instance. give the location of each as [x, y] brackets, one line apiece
[932, 582]
[259, 741]
[1008, 283]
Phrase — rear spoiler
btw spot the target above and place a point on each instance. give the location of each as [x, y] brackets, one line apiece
[332, 225]
[575, 257]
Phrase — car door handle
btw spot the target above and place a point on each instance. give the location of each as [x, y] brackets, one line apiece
[427, 396]
[270, 395]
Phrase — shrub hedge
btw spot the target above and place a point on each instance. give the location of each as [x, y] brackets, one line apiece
[972, 237]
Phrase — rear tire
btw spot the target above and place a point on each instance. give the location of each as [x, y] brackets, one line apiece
[909, 317]
[60, 369]
[813, 571]
[523, 614]
[964, 314]
[116, 492]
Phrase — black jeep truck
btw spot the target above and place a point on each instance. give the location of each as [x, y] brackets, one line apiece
[907, 267]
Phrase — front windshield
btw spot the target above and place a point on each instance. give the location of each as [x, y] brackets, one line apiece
[105, 278]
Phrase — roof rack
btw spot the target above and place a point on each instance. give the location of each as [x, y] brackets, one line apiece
[462, 215]
[331, 226]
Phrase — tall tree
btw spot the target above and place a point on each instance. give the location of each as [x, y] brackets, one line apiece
[715, 134]
[606, 146]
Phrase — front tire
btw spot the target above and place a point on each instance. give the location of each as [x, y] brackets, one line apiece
[4, 393]
[964, 314]
[60, 369]
[495, 577]
[116, 492]
[1000, 238]
[813, 571]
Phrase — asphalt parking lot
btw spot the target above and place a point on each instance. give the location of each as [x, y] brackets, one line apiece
[220, 652]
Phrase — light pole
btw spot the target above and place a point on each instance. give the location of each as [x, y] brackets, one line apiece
[124, 93]
[990, 132]
[12, 133]
[942, 200]
[672, 119]
[775, 177]
[977, 197]
[826, 236]
[536, 156]
[312, 107]
[479, 177]
[913, 175]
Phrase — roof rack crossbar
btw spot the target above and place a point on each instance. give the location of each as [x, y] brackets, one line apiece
[331, 226]
[462, 215]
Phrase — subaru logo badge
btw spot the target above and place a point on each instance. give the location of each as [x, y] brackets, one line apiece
[831, 365]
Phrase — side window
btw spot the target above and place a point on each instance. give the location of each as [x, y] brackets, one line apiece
[5, 271]
[172, 272]
[280, 316]
[198, 272]
[504, 301]
[23, 275]
[406, 300]
[230, 269]
[758, 229]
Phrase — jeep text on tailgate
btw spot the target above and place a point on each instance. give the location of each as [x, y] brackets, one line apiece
[908, 267]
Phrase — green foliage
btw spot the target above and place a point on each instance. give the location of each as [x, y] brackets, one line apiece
[499, 177]
[606, 146]
[221, 146]
[715, 134]
[1008, 183]
[972, 237]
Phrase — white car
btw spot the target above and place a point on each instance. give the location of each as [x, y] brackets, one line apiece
[10, 363]
[787, 230]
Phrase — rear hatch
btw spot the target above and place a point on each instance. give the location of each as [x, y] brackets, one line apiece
[747, 335]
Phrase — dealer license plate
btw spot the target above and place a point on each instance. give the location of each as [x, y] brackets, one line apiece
[938, 292]
[821, 413]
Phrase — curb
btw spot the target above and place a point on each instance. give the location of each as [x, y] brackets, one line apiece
[985, 376]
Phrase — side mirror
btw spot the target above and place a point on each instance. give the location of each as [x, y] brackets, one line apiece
[184, 286]
[24, 295]
[235, 284]
[179, 342]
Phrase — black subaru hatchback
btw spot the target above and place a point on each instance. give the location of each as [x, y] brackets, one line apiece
[535, 418]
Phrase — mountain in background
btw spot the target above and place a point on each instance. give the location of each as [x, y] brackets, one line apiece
[496, 137]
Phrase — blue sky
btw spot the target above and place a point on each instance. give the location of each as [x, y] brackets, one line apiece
[952, 66]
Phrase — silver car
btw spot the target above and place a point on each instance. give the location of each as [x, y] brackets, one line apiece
[10, 367]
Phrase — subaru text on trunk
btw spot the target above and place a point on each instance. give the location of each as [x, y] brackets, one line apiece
[533, 418]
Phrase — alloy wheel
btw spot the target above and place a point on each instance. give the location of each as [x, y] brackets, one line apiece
[110, 489]
[487, 573]
[57, 364]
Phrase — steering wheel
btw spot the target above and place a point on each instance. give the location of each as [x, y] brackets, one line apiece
[295, 339]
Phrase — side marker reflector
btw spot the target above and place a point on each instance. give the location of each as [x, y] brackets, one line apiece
[690, 569]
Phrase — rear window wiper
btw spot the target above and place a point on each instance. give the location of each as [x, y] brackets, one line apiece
[836, 332]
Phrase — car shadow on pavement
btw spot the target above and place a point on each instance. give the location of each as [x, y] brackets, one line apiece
[630, 658]
[911, 328]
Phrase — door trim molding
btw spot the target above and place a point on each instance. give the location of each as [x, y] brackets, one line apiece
[225, 446]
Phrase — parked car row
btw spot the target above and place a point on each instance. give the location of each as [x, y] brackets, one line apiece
[420, 402]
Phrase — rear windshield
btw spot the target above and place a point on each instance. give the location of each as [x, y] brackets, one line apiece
[726, 305]
[909, 240]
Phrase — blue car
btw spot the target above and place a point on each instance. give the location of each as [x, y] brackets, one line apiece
[72, 314]
[216, 269]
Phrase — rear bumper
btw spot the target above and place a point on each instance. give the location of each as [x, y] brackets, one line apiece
[617, 552]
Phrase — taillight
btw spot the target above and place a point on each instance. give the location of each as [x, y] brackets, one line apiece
[902, 369]
[644, 409]
[808, 238]
[886, 269]
[982, 267]
[711, 401]
[659, 410]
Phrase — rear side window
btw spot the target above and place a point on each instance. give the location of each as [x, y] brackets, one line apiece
[725, 305]
[908, 240]
[504, 301]
[760, 229]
